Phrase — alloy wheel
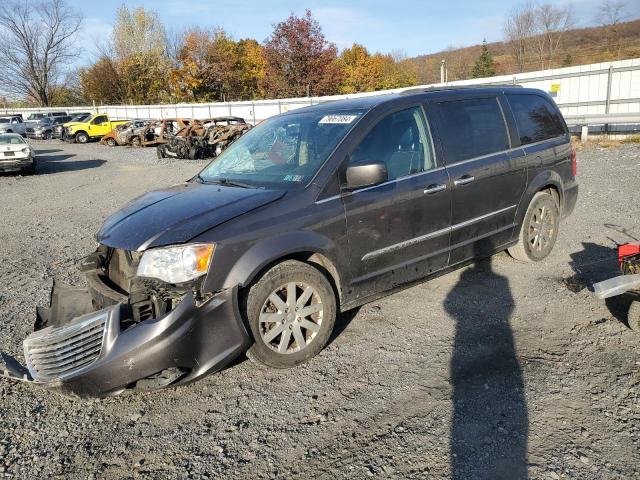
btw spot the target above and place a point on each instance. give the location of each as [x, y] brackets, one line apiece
[541, 228]
[290, 318]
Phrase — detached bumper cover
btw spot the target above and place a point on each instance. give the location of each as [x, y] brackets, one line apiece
[91, 356]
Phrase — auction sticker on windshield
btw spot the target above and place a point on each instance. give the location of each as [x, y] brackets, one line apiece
[341, 119]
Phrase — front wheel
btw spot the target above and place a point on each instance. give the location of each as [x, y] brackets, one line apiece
[291, 311]
[111, 142]
[82, 137]
[539, 229]
[46, 136]
[136, 142]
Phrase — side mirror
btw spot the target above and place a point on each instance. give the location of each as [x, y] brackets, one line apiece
[366, 175]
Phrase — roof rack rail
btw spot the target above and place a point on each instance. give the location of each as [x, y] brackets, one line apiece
[458, 87]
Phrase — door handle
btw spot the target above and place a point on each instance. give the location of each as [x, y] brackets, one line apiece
[464, 180]
[436, 187]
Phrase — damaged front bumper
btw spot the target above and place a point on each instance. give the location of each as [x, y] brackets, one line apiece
[89, 353]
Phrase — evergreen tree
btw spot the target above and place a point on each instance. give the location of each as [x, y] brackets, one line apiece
[484, 64]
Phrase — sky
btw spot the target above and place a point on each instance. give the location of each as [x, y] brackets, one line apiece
[410, 27]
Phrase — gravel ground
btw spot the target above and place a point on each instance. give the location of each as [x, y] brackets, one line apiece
[498, 370]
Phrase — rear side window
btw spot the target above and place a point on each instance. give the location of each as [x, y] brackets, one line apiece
[472, 127]
[537, 119]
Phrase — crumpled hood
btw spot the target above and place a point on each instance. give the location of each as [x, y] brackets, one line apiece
[178, 214]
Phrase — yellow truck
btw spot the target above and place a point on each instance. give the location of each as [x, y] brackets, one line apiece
[95, 127]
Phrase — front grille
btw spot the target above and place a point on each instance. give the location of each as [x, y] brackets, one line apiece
[57, 353]
[29, 130]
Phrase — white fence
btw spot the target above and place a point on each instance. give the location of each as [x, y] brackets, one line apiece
[600, 88]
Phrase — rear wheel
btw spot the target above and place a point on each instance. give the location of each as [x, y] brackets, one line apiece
[82, 137]
[111, 142]
[291, 311]
[539, 229]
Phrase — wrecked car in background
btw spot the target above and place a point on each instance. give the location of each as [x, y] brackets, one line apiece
[204, 139]
[95, 127]
[123, 134]
[159, 131]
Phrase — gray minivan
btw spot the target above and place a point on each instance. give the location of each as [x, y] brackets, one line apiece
[311, 213]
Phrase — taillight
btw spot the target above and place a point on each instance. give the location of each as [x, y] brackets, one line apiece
[574, 161]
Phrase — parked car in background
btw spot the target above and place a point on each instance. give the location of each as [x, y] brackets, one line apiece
[95, 127]
[58, 129]
[12, 124]
[313, 212]
[55, 114]
[16, 155]
[122, 134]
[32, 117]
[43, 128]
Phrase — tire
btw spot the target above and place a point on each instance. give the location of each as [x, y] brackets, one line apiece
[542, 217]
[82, 137]
[136, 142]
[633, 316]
[276, 339]
[111, 142]
[160, 151]
[46, 136]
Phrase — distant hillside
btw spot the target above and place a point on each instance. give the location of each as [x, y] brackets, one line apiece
[578, 46]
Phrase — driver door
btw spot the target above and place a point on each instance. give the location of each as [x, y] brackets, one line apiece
[398, 231]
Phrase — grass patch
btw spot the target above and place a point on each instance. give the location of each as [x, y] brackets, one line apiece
[632, 139]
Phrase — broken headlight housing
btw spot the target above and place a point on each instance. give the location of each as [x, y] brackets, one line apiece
[177, 264]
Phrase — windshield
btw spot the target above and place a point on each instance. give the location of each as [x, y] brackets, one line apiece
[35, 116]
[45, 121]
[79, 118]
[4, 120]
[11, 140]
[282, 152]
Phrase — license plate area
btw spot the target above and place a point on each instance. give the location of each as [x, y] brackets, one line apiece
[9, 154]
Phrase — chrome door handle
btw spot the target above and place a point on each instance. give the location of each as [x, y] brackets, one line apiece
[438, 187]
[464, 180]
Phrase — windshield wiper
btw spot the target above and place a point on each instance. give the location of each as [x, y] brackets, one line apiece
[230, 183]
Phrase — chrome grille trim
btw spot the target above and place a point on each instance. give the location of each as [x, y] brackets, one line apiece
[55, 353]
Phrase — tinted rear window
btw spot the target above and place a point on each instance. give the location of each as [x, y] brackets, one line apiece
[537, 119]
[472, 127]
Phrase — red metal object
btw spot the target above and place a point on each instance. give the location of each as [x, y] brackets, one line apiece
[627, 250]
[574, 161]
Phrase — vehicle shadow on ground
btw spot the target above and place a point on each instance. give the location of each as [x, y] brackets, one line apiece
[45, 152]
[60, 163]
[489, 425]
[593, 264]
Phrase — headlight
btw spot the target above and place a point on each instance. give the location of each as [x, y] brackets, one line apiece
[26, 150]
[176, 264]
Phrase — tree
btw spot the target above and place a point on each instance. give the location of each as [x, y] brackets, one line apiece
[518, 29]
[552, 23]
[101, 82]
[299, 61]
[484, 64]
[36, 43]
[363, 72]
[611, 13]
[140, 54]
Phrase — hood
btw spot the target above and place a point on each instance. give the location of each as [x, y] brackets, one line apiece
[72, 124]
[178, 214]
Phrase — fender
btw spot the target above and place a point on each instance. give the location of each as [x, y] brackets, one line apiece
[245, 268]
[541, 180]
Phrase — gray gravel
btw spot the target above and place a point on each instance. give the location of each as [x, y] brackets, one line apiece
[499, 370]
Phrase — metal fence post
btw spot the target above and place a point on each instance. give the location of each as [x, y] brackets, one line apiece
[607, 106]
[253, 111]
